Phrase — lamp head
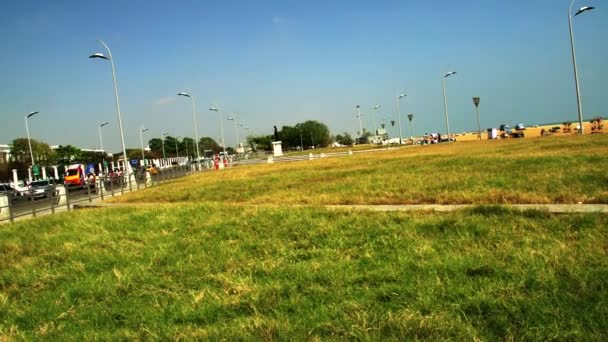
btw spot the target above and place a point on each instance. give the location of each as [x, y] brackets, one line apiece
[449, 74]
[183, 94]
[214, 109]
[99, 55]
[31, 114]
[584, 9]
[402, 96]
[103, 124]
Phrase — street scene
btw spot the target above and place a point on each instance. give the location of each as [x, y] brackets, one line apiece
[287, 170]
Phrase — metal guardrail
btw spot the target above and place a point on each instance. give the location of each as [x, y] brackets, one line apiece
[62, 198]
[17, 204]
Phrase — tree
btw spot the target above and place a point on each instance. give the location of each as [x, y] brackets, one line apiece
[65, 155]
[187, 146]
[262, 142]
[20, 151]
[207, 143]
[344, 139]
[156, 146]
[314, 133]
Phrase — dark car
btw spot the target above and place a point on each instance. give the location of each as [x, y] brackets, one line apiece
[6, 189]
[42, 189]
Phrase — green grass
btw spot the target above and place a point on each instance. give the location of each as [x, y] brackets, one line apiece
[192, 271]
[526, 171]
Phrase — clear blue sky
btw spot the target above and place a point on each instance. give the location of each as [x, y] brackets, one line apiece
[283, 62]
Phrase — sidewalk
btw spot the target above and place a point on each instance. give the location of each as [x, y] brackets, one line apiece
[551, 208]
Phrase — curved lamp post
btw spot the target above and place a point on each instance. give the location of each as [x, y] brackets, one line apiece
[189, 95]
[578, 92]
[162, 140]
[122, 136]
[214, 109]
[359, 117]
[445, 102]
[376, 108]
[141, 138]
[103, 151]
[236, 130]
[399, 117]
[100, 137]
[27, 129]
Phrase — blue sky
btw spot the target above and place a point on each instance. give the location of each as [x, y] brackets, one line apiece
[283, 62]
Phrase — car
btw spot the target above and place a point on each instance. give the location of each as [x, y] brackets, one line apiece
[7, 189]
[42, 188]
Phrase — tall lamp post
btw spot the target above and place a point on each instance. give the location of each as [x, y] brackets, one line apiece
[162, 140]
[410, 117]
[241, 124]
[445, 102]
[476, 103]
[122, 136]
[578, 92]
[103, 151]
[27, 129]
[236, 130]
[399, 117]
[100, 137]
[376, 108]
[214, 109]
[141, 138]
[189, 95]
[186, 143]
[359, 117]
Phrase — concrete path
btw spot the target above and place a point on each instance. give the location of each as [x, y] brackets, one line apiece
[551, 208]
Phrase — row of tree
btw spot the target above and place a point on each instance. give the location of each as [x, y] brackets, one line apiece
[305, 135]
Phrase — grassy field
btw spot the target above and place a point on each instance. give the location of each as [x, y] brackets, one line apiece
[205, 257]
[526, 171]
[193, 271]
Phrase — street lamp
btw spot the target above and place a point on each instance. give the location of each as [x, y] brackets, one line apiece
[27, 129]
[236, 131]
[214, 109]
[141, 138]
[476, 103]
[399, 117]
[410, 117]
[376, 108]
[578, 92]
[359, 116]
[100, 137]
[189, 95]
[445, 102]
[186, 143]
[122, 137]
[162, 140]
[101, 140]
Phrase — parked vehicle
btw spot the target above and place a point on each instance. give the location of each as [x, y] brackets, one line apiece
[6, 189]
[76, 177]
[41, 189]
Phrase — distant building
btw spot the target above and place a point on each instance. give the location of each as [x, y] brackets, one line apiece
[4, 153]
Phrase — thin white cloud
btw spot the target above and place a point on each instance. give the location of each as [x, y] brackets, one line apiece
[165, 100]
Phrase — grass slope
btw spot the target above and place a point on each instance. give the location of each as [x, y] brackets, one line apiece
[189, 271]
[542, 170]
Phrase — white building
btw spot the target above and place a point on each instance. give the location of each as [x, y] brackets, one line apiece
[4, 153]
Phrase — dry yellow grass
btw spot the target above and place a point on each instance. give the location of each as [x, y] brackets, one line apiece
[543, 170]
